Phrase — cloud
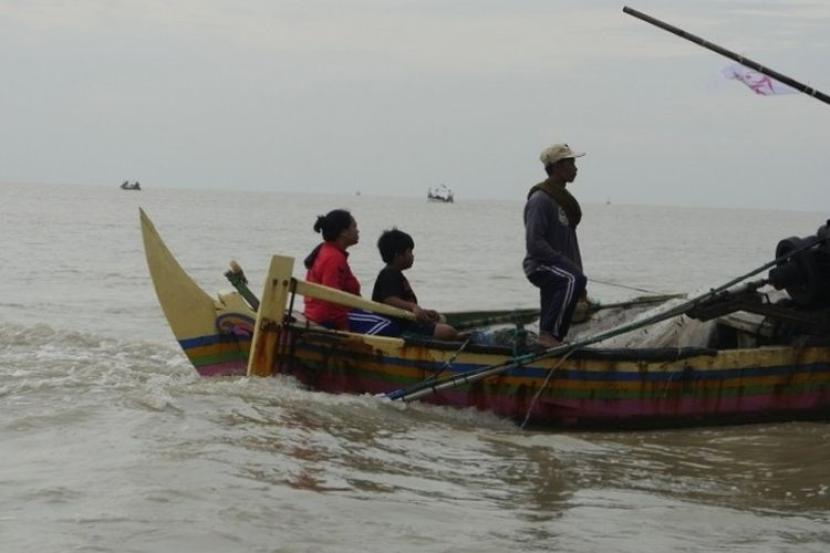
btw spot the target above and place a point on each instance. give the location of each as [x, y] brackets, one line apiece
[396, 94]
[419, 34]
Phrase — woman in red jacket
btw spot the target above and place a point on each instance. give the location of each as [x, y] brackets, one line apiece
[328, 265]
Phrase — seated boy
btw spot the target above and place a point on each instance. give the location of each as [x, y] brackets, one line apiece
[392, 288]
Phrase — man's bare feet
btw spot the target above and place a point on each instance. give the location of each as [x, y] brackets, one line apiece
[548, 341]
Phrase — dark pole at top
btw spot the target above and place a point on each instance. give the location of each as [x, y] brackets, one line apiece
[731, 55]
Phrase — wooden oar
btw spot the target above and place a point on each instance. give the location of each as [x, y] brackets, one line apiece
[237, 277]
[349, 300]
[432, 386]
[460, 320]
[731, 55]
[266, 350]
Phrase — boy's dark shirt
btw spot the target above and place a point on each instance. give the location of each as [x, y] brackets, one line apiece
[391, 282]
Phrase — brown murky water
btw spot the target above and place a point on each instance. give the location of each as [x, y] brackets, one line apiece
[109, 441]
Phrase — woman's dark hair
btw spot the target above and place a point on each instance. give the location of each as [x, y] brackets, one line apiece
[333, 223]
[392, 242]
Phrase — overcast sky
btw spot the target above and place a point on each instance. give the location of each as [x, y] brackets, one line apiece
[391, 97]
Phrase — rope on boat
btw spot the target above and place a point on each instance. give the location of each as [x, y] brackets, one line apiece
[422, 389]
[452, 359]
[544, 385]
[624, 286]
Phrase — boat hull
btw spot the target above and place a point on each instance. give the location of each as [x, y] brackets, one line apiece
[597, 389]
[725, 387]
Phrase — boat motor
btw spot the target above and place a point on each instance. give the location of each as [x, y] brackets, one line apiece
[806, 274]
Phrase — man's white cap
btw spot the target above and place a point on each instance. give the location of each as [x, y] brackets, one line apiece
[558, 152]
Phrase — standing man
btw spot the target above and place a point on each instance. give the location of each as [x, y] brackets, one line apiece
[553, 262]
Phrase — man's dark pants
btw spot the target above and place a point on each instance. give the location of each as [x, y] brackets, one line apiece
[560, 288]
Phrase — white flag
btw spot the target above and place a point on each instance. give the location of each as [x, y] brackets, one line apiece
[758, 82]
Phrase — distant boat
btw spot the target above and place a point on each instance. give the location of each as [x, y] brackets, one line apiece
[440, 194]
[127, 186]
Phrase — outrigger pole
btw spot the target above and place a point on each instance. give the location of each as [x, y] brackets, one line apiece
[431, 386]
[731, 55]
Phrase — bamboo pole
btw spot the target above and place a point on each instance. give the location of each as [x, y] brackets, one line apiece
[731, 55]
[325, 293]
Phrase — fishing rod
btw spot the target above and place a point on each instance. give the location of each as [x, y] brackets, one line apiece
[431, 386]
[623, 286]
[731, 55]
[644, 300]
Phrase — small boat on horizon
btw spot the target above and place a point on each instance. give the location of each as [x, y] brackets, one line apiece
[441, 193]
[126, 185]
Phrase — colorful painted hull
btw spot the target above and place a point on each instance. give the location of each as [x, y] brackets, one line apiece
[595, 389]
[607, 389]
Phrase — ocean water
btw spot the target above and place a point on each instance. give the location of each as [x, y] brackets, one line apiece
[110, 442]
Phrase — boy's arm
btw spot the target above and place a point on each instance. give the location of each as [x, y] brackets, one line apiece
[423, 315]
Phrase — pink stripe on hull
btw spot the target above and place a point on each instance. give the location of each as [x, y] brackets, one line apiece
[564, 412]
[695, 406]
[642, 410]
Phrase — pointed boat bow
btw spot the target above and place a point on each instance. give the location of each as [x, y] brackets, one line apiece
[215, 336]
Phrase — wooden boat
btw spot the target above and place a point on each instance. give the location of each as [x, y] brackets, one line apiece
[590, 388]
[127, 186]
[441, 193]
